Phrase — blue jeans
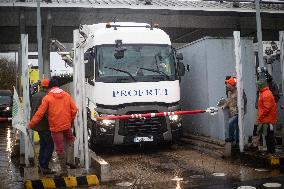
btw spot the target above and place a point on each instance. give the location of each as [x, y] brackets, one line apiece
[234, 129]
[46, 148]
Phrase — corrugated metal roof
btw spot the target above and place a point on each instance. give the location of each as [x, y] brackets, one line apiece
[155, 4]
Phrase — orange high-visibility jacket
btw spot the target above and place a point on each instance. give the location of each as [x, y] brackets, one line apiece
[267, 111]
[61, 110]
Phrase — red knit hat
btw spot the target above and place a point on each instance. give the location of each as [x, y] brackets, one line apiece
[232, 81]
[44, 82]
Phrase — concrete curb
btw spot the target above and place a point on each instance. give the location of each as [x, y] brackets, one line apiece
[66, 182]
[101, 167]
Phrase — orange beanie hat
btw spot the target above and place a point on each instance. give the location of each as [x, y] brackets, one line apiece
[44, 82]
[232, 81]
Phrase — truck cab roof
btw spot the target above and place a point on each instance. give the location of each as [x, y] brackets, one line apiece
[128, 32]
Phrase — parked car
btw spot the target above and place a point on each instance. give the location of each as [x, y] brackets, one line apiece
[6, 102]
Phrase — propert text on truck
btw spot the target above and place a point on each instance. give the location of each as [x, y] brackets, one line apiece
[131, 68]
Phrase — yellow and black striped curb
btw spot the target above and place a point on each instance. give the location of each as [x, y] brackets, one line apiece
[59, 182]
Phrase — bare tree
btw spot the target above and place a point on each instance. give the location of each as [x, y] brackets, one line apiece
[7, 73]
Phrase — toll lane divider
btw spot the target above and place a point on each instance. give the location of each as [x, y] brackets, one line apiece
[62, 182]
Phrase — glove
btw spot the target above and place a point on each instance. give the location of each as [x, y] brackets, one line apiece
[271, 127]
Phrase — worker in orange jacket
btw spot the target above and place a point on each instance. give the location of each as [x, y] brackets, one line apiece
[267, 115]
[61, 112]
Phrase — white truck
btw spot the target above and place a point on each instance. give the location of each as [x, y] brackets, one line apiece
[131, 68]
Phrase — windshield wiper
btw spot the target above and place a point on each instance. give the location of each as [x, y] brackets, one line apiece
[119, 70]
[156, 71]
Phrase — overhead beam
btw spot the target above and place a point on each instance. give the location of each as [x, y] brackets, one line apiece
[165, 19]
[174, 33]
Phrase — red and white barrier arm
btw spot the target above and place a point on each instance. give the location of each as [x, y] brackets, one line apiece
[5, 119]
[211, 110]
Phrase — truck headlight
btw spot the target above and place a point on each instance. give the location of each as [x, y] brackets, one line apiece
[174, 118]
[106, 122]
[7, 108]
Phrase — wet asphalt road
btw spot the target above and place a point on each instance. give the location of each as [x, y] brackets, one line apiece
[10, 177]
[180, 167]
[154, 166]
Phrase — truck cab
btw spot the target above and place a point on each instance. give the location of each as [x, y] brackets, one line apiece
[131, 68]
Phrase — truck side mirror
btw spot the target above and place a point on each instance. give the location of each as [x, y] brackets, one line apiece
[179, 56]
[181, 69]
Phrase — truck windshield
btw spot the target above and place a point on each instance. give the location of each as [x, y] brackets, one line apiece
[137, 61]
[5, 100]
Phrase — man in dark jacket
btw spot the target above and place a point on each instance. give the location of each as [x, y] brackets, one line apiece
[45, 139]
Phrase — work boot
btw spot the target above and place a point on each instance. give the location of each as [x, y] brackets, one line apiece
[70, 156]
[62, 162]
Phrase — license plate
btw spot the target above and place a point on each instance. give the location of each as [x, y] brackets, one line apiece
[144, 139]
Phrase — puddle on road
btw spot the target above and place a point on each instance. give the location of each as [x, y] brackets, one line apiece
[219, 174]
[272, 185]
[9, 169]
[197, 176]
[261, 170]
[246, 187]
[124, 184]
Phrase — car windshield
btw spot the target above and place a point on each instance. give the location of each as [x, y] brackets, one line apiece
[136, 61]
[5, 100]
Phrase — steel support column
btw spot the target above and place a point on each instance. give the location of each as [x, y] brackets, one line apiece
[39, 40]
[240, 88]
[259, 34]
[29, 153]
[46, 45]
[19, 81]
[281, 47]
[79, 143]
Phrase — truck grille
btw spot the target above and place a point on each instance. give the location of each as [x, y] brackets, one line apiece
[153, 125]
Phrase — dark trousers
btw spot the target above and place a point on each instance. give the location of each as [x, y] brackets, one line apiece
[234, 129]
[270, 141]
[46, 148]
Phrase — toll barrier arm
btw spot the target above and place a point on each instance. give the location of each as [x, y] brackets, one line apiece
[5, 119]
[211, 110]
